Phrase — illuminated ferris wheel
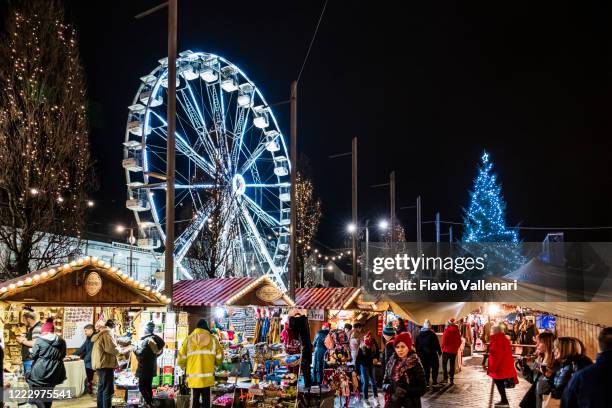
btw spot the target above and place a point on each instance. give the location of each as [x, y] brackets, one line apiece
[227, 140]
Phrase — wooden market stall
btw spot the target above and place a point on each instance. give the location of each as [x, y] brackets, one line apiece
[338, 306]
[76, 294]
[245, 314]
[200, 297]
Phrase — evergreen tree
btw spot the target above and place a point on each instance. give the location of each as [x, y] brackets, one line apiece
[485, 219]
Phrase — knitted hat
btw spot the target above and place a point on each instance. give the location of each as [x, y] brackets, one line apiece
[203, 324]
[48, 327]
[389, 330]
[426, 324]
[149, 328]
[405, 338]
[326, 325]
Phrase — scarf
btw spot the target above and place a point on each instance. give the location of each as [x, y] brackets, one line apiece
[402, 365]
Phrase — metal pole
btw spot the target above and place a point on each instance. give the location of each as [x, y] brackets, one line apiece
[438, 236]
[170, 153]
[293, 213]
[367, 243]
[354, 200]
[418, 205]
[131, 242]
[392, 199]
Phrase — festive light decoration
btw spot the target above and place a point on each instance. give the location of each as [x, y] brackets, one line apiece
[308, 216]
[44, 148]
[79, 263]
[485, 218]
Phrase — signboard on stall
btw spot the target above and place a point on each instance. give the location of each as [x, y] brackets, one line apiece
[75, 320]
[268, 293]
[93, 284]
[316, 314]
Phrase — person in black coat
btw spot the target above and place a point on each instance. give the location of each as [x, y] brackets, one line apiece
[148, 348]
[319, 353]
[298, 323]
[84, 352]
[428, 348]
[388, 335]
[590, 386]
[404, 381]
[48, 355]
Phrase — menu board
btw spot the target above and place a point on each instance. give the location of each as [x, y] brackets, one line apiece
[75, 320]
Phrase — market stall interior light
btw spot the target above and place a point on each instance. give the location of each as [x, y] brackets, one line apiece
[219, 312]
[493, 309]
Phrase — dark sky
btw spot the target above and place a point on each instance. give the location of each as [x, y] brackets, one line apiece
[424, 89]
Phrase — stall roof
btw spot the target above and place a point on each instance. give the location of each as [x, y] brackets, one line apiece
[64, 284]
[326, 298]
[440, 312]
[219, 291]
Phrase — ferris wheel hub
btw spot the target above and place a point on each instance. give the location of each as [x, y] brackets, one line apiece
[238, 184]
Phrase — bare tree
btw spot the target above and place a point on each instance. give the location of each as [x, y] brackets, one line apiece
[212, 253]
[44, 146]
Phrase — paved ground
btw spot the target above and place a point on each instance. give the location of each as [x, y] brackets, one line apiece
[473, 389]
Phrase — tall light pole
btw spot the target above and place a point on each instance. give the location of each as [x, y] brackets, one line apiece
[170, 142]
[170, 152]
[354, 199]
[131, 240]
[353, 154]
[418, 216]
[293, 213]
[391, 185]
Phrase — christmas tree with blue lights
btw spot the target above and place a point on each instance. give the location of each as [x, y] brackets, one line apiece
[485, 219]
[485, 222]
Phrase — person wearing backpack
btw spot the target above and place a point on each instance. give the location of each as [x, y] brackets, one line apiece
[319, 353]
[147, 350]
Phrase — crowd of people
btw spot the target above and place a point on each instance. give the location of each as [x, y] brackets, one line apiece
[43, 353]
[559, 370]
[561, 374]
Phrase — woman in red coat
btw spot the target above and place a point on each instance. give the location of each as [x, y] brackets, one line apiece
[501, 363]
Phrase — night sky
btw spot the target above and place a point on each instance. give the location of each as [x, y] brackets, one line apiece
[424, 89]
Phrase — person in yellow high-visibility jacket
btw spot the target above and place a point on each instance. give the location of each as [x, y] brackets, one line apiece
[200, 353]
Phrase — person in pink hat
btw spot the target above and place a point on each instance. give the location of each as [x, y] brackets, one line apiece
[404, 380]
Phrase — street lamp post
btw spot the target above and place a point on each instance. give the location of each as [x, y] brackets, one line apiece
[131, 240]
[353, 229]
[353, 154]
